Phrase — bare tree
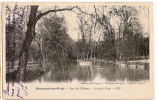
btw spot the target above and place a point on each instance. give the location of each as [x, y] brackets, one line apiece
[128, 21]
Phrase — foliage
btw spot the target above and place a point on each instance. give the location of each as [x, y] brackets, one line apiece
[57, 45]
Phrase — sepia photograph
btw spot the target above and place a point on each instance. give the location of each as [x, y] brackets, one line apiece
[110, 42]
[76, 42]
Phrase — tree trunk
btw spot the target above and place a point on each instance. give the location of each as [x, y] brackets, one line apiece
[30, 33]
[24, 54]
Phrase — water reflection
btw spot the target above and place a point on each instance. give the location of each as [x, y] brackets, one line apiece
[57, 74]
[107, 72]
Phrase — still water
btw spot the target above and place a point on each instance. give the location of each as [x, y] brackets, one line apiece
[106, 72]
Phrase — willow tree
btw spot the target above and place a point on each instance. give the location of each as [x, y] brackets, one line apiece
[30, 34]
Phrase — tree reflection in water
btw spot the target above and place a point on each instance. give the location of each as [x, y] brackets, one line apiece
[85, 73]
[106, 72]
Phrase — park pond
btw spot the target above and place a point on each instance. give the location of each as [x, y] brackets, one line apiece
[106, 72]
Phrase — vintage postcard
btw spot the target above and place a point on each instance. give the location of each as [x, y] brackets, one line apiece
[78, 50]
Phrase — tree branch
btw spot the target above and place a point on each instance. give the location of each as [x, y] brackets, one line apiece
[56, 10]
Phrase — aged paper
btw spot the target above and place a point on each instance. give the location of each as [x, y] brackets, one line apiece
[0, 55]
[78, 50]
